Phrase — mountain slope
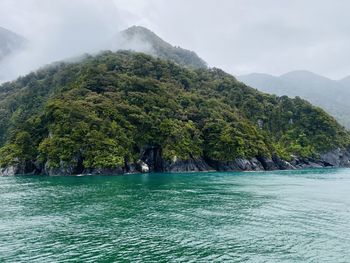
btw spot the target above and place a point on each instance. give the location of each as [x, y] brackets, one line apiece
[141, 39]
[118, 112]
[331, 95]
[9, 42]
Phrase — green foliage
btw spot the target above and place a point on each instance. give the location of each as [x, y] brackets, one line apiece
[83, 128]
[180, 139]
[226, 141]
[20, 150]
[9, 154]
[107, 108]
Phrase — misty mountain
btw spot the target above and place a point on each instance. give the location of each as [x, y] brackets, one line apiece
[141, 39]
[39, 53]
[331, 95]
[9, 42]
[114, 112]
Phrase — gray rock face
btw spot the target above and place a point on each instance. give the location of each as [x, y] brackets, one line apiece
[8, 171]
[151, 161]
[256, 165]
[191, 165]
[152, 156]
[19, 169]
[76, 167]
[240, 164]
[267, 163]
[305, 164]
[337, 158]
[281, 164]
[63, 169]
[130, 168]
[142, 167]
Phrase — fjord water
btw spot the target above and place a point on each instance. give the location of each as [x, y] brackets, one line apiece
[290, 216]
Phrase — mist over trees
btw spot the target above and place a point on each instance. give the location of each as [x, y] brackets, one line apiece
[331, 95]
[106, 109]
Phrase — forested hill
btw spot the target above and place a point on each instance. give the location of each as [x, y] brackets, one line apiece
[141, 39]
[117, 110]
[332, 95]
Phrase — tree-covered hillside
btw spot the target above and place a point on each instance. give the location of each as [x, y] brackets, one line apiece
[107, 111]
[331, 95]
[141, 39]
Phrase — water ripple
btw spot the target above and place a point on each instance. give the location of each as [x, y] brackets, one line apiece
[292, 216]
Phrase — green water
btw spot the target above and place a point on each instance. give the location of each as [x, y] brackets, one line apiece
[301, 216]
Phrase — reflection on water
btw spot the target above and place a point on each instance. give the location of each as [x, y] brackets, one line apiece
[290, 216]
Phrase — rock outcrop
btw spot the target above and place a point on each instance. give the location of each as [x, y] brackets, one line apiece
[190, 165]
[20, 168]
[337, 158]
[8, 171]
[151, 160]
[142, 167]
[239, 164]
[152, 156]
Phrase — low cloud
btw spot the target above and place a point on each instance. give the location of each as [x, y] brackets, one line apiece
[56, 30]
[240, 36]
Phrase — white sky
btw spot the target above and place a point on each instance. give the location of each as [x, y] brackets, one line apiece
[239, 36]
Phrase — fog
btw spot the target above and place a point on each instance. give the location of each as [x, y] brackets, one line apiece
[56, 30]
[240, 36]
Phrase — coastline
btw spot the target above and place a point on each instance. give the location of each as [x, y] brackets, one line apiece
[338, 158]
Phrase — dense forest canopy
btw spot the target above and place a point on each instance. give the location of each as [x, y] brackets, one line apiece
[331, 95]
[107, 108]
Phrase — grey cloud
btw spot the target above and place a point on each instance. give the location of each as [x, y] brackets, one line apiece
[57, 29]
[270, 36]
[240, 36]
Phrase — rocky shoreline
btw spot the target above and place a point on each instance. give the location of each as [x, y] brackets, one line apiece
[151, 161]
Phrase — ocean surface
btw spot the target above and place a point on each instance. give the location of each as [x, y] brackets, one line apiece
[280, 216]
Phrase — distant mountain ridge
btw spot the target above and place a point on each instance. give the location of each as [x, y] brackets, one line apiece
[9, 42]
[141, 39]
[331, 95]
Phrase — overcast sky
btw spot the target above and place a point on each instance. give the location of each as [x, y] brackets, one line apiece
[240, 36]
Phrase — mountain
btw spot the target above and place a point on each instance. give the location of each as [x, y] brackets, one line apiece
[9, 42]
[331, 95]
[141, 39]
[127, 112]
[345, 82]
